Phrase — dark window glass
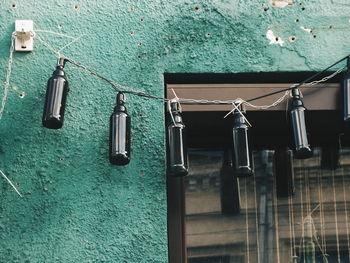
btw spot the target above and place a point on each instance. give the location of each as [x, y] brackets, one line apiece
[257, 219]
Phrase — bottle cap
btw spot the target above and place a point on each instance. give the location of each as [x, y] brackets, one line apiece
[120, 98]
[296, 93]
[61, 62]
[120, 102]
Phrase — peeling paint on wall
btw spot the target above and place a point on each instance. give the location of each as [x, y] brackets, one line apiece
[273, 38]
[281, 3]
[309, 30]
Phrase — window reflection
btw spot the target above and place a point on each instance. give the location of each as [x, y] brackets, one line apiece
[260, 219]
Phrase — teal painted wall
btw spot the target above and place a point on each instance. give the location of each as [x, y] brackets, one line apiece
[77, 207]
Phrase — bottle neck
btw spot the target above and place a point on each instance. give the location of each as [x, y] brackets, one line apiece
[175, 111]
[174, 107]
[296, 93]
[120, 108]
[296, 100]
[59, 71]
[61, 62]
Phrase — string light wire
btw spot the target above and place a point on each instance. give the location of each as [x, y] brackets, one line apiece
[9, 181]
[45, 44]
[124, 89]
[71, 42]
[304, 82]
[8, 75]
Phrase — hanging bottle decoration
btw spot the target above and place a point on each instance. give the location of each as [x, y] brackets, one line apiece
[176, 146]
[346, 94]
[56, 95]
[301, 144]
[119, 133]
[242, 154]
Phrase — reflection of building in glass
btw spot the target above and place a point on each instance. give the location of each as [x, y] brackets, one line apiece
[310, 226]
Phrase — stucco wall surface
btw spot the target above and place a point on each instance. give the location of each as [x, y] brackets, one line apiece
[77, 207]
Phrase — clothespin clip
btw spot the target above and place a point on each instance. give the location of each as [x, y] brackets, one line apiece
[236, 108]
[178, 106]
[176, 99]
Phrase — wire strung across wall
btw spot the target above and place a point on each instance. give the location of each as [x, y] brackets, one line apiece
[124, 89]
[58, 83]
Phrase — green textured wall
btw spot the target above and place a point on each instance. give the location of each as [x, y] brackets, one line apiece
[77, 207]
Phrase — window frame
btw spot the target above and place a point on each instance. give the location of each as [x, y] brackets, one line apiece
[325, 106]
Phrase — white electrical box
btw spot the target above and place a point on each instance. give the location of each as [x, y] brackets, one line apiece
[24, 35]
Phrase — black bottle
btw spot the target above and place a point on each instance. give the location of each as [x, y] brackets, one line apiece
[301, 144]
[56, 95]
[243, 160]
[119, 133]
[346, 95]
[177, 150]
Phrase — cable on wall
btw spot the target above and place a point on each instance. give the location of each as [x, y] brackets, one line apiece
[57, 90]
[8, 76]
[127, 90]
[10, 183]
